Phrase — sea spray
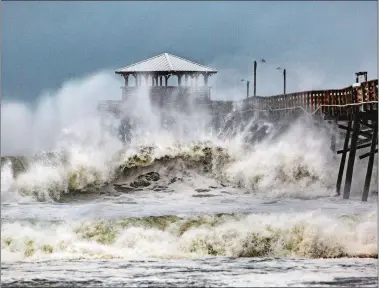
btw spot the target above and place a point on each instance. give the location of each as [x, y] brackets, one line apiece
[271, 159]
[262, 167]
[305, 235]
[86, 171]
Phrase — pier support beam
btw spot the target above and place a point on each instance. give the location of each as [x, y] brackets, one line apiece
[333, 142]
[343, 159]
[333, 128]
[370, 163]
[353, 150]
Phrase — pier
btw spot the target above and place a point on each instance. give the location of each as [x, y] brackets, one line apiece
[352, 109]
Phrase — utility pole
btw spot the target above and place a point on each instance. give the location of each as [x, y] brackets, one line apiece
[359, 74]
[255, 78]
[247, 87]
[284, 79]
[255, 74]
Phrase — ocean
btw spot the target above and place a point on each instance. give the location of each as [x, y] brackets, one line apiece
[182, 206]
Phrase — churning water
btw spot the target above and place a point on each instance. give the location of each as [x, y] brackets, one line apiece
[178, 206]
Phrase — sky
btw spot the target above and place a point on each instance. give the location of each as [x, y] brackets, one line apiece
[321, 44]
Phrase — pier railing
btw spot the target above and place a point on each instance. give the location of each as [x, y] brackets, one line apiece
[159, 92]
[356, 105]
[330, 103]
[337, 104]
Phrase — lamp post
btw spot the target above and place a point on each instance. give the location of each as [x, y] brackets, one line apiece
[247, 87]
[284, 79]
[359, 74]
[255, 74]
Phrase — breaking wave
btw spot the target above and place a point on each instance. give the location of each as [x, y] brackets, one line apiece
[310, 235]
[264, 168]
[78, 156]
[83, 154]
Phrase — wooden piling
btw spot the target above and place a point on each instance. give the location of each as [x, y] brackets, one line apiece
[370, 163]
[343, 158]
[333, 138]
[353, 149]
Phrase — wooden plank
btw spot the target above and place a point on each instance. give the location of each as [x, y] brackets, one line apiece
[363, 133]
[367, 154]
[358, 147]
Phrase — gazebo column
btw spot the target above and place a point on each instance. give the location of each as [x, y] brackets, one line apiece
[156, 80]
[205, 79]
[146, 76]
[160, 80]
[126, 78]
[196, 79]
[186, 80]
[136, 79]
[151, 82]
[180, 79]
[166, 79]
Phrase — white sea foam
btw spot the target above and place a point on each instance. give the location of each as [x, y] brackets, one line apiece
[304, 235]
[297, 163]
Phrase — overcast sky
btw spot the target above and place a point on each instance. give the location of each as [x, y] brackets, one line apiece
[322, 44]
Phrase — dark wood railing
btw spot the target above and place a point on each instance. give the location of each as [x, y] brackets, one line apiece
[317, 101]
[331, 103]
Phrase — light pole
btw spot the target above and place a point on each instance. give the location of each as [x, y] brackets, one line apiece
[359, 74]
[255, 74]
[284, 79]
[247, 87]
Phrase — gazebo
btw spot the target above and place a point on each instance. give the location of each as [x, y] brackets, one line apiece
[156, 71]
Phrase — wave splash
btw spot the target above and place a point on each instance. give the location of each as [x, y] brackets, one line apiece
[263, 168]
[307, 235]
[85, 158]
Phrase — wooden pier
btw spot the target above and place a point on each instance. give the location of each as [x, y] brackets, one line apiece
[353, 109]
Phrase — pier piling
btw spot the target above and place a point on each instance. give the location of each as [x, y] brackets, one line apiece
[343, 158]
[351, 160]
[370, 163]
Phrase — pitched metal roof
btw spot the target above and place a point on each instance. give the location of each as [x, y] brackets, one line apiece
[165, 63]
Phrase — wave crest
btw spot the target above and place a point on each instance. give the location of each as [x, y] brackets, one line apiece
[306, 235]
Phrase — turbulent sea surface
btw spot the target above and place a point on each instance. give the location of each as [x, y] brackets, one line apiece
[183, 206]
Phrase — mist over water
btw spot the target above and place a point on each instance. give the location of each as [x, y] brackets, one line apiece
[27, 129]
[296, 161]
[223, 193]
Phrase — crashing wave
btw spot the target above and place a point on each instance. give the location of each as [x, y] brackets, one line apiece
[52, 175]
[306, 235]
[296, 163]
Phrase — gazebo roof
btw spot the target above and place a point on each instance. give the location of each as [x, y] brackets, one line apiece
[165, 63]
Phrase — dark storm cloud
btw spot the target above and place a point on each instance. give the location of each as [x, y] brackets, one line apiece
[47, 43]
